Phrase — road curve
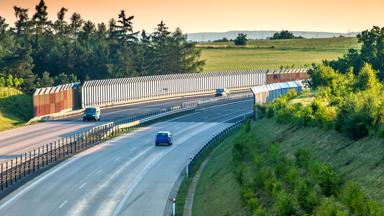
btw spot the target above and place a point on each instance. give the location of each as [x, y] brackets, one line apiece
[21, 140]
[127, 175]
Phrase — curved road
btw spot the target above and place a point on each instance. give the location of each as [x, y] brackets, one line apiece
[24, 139]
[127, 175]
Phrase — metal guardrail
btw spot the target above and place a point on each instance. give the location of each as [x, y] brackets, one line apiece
[26, 165]
[217, 139]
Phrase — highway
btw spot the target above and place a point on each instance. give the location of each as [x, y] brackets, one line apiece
[21, 140]
[127, 175]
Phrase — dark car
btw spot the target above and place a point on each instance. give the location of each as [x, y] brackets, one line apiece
[92, 114]
[163, 138]
[221, 92]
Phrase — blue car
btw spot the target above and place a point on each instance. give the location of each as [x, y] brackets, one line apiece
[163, 138]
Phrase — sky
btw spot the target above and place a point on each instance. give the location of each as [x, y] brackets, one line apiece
[222, 15]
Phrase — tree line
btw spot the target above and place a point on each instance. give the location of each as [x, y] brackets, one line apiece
[349, 92]
[43, 52]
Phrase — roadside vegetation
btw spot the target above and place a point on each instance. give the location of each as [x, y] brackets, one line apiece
[319, 153]
[15, 108]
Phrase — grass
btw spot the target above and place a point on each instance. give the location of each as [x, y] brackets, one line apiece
[218, 193]
[361, 161]
[304, 98]
[268, 54]
[15, 111]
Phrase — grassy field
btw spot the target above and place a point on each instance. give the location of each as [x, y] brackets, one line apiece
[15, 111]
[361, 161]
[273, 54]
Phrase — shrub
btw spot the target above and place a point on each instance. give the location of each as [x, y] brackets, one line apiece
[292, 177]
[374, 208]
[329, 181]
[306, 197]
[249, 196]
[354, 198]
[259, 212]
[285, 205]
[303, 157]
[329, 207]
[264, 175]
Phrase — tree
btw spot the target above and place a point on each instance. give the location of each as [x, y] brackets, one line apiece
[89, 28]
[22, 21]
[367, 78]
[75, 24]
[10, 81]
[124, 30]
[18, 82]
[371, 52]
[241, 40]
[2, 82]
[61, 25]
[284, 34]
[3, 25]
[46, 80]
[40, 19]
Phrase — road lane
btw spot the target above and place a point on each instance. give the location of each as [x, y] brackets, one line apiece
[127, 175]
[24, 139]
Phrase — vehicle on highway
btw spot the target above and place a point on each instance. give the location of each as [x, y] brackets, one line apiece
[221, 92]
[163, 137]
[92, 114]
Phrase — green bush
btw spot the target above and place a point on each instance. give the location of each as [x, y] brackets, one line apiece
[330, 207]
[354, 198]
[306, 197]
[285, 205]
[303, 158]
[249, 197]
[328, 180]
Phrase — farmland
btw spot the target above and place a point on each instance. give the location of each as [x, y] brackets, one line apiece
[273, 54]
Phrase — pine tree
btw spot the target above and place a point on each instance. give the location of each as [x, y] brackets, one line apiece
[40, 19]
[46, 80]
[3, 25]
[76, 23]
[22, 22]
[123, 31]
[60, 24]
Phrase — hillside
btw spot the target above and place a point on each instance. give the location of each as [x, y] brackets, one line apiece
[15, 110]
[360, 161]
[268, 54]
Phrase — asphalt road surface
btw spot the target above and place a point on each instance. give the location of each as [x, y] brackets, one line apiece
[127, 175]
[21, 140]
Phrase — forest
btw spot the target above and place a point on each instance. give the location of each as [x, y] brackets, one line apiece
[39, 52]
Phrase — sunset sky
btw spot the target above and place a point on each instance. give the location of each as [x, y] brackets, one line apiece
[223, 15]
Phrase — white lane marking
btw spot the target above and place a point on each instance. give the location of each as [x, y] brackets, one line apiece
[236, 117]
[62, 204]
[81, 186]
[99, 171]
[137, 179]
[118, 158]
[29, 187]
[77, 210]
[211, 107]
